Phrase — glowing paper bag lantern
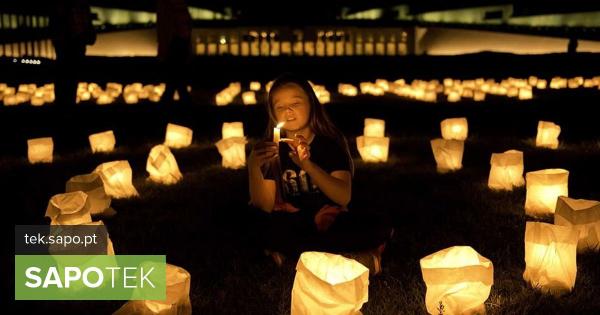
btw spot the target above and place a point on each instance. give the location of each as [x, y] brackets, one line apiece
[583, 216]
[177, 302]
[69, 209]
[102, 141]
[448, 154]
[233, 152]
[543, 189]
[178, 136]
[329, 284]
[117, 179]
[547, 135]
[454, 128]
[506, 171]
[39, 150]
[374, 127]
[92, 185]
[232, 130]
[249, 98]
[550, 257]
[457, 279]
[373, 149]
[162, 166]
[255, 86]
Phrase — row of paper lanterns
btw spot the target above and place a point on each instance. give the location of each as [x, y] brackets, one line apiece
[228, 94]
[161, 164]
[38, 96]
[454, 90]
[26, 93]
[131, 93]
[373, 146]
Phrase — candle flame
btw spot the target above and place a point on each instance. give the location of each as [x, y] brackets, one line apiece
[279, 125]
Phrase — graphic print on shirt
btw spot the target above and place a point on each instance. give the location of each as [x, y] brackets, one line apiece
[294, 184]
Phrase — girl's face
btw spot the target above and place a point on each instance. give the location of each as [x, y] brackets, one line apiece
[291, 105]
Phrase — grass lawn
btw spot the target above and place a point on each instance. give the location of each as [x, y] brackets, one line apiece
[195, 221]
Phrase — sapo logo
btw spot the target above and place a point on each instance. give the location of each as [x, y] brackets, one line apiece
[90, 277]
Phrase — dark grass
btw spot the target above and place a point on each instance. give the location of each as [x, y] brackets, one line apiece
[196, 222]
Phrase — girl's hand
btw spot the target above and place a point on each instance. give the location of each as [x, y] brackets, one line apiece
[262, 153]
[300, 150]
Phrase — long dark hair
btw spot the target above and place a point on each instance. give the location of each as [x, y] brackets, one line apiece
[318, 121]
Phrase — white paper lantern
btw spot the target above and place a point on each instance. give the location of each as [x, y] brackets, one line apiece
[232, 130]
[73, 209]
[373, 149]
[374, 127]
[92, 185]
[583, 216]
[550, 257]
[233, 152]
[448, 154]
[455, 128]
[102, 141]
[178, 136]
[255, 86]
[329, 284]
[69, 209]
[457, 279]
[39, 150]
[543, 189]
[162, 166]
[506, 170]
[117, 178]
[249, 98]
[547, 135]
[177, 302]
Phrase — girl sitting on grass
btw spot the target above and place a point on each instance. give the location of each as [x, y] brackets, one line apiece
[303, 184]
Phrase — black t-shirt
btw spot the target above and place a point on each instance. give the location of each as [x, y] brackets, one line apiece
[298, 188]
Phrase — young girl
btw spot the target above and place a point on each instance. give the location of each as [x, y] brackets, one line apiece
[304, 182]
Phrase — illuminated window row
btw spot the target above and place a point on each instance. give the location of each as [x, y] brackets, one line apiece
[308, 42]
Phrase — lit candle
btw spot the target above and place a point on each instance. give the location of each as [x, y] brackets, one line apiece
[277, 132]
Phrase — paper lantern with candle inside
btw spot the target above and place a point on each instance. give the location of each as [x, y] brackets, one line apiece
[249, 98]
[448, 154]
[102, 141]
[543, 189]
[70, 208]
[329, 284]
[39, 150]
[255, 86]
[73, 209]
[547, 135]
[232, 130]
[506, 170]
[117, 178]
[373, 146]
[162, 166]
[583, 216]
[550, 257]
[374, 127]
[177, 302]
[178, 136]
[232, 146]
[92, 185]
[455, 128]
[458, 279]
[373, 149]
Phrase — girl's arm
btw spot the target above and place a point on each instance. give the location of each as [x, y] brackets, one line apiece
[337, 186]
[262, 191]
